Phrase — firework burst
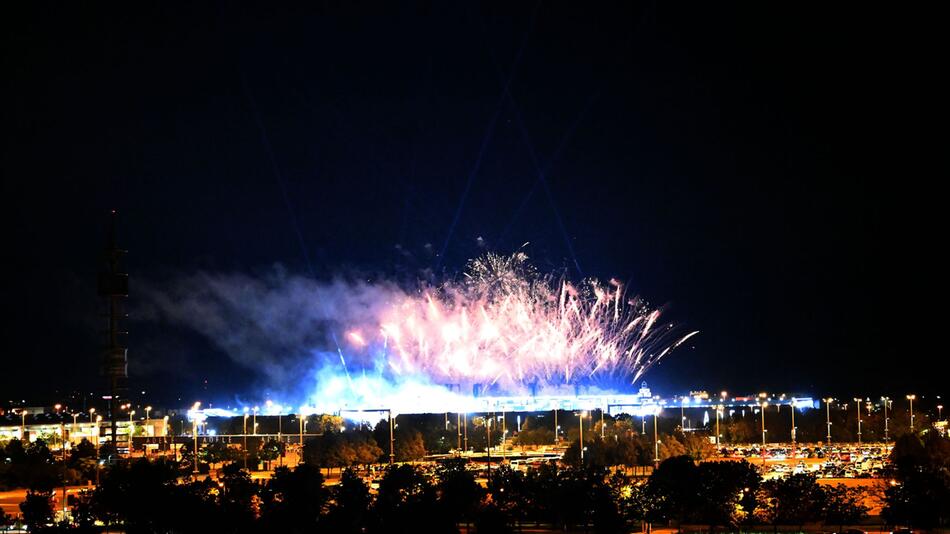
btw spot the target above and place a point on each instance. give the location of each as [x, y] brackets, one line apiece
[506, 329]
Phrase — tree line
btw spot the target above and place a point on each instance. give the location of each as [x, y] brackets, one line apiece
[159, 495]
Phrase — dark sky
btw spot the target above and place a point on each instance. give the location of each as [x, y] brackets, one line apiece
[725, 161]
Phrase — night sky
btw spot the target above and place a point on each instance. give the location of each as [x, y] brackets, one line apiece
[726, 162]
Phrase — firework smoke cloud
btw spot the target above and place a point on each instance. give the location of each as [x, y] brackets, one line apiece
[502, 328]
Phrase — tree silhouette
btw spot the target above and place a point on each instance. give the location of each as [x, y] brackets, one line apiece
[294, 500]
[459, 494]
[727, 492]
[921, 494]
[672, 489]
[351, 502]
[793, 500]
[37, 509]
[843, 505]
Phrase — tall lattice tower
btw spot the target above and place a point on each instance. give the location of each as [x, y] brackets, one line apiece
[113, 290]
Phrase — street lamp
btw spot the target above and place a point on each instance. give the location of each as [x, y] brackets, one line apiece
[793, 426]
[828, 418]
[244, 435]
[22, 424]
[581, 417]
[763, 405]
[131, 431]
[719, 410]
[72, 429]
[885, 401]
[911, 399]
[940, 412]
[656, 441]
[165, 435]
[556, 428]
[858, 401]
[194, 433]
[98, 421]
[682, 414]
[255, 420]
[392, 454]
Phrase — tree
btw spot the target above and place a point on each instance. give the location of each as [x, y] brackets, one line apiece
[843, 505]
[509, 493]
[351, 500]
[921, 495]
[409, 445]
[459, 493]
[294, 500]
[407, 502]
[83, 511]
[794, 500]
[82, 457]
[270, 451]
[331, 450]
[698, 446]
[37, 509]
[670, 447]
[672, 489]
[216, 452]
[238, 500]
[726, 491]
[532, 434]
[130, 494]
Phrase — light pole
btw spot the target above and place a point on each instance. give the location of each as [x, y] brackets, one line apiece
[488, 422]
[301, 431]
[145, 426]
[720, 412]
[392, 454]
[22, 424]
[682, 414]
[458, 431]
[72, 429]
[858, 402]
[98, 420]
[555, 426]
[244, 435]
[602, 423]
[719, 409]
[464, 430]
[940, 412]
[656, 441]
[763, 405]
[131, 431]
[581, 417]
[911, 399]
[194, 433]
[254, 420]
[165, 435]
[884, 401]
[504, 430]
[62, 438]
[793, 426]
[828, 418]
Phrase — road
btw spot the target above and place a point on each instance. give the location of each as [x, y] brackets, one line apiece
[10, 500]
